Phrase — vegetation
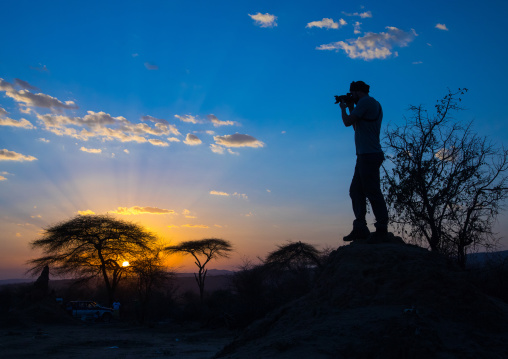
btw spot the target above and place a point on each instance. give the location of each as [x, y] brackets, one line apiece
[92, 246]
[447, 184]
[203, 251]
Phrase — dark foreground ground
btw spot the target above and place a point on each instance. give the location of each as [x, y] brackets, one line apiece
[111, 340]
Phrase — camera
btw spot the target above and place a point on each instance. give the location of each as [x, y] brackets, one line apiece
[347, 99]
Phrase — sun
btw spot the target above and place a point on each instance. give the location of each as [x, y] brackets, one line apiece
[125, 264]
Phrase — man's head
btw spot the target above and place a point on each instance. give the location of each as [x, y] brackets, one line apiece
[359, 89]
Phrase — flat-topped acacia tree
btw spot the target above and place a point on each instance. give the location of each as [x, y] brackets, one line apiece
[92, 246]
[203, 251]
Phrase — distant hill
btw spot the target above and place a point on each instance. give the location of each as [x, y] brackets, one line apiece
[209, 273]
[16, 281]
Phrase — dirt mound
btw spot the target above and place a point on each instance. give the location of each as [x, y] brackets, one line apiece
[385, 300]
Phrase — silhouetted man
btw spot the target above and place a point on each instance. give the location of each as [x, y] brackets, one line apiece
[366, 118]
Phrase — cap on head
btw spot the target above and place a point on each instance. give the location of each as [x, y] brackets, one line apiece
[359, 86]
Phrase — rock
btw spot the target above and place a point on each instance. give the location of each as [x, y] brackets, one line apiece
[383, 300]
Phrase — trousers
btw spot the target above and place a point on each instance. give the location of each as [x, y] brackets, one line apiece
[366, 184]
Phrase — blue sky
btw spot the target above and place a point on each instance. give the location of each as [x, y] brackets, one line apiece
[200, 119]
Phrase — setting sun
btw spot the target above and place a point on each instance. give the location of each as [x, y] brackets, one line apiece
[125, 264]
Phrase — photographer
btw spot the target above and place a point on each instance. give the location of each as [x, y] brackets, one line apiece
[366, 118]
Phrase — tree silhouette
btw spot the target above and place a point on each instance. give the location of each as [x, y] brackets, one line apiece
[294, 255]
[447, 184]
[203, 251]
[92, 246]
[150, 273]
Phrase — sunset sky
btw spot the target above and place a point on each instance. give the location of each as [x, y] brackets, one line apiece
[205, 119]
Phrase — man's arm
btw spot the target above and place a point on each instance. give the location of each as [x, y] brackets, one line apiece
[348, 119]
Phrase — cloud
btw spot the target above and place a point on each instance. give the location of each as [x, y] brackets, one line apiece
[363, 15]
[173, 139]
[225, 194]
[105, 126]
[2, 178]
[188, 119]
[24, 85]
[188, 214]
[142, 210]
[217, 123]
[6, 155]
[151, 67]
[441, 27]
[200, 226]
[327, 23]
[44, 140]
[26, 98]
[357, 29]
[126, 151]
[153, 119]
[91, 150]
[192, 140]
[417, 62]
[40, 68]
[86, 213]
[6, 121]
[219, 193]
[372, 45]
[264, 20]
[238, 140]
[159, 143]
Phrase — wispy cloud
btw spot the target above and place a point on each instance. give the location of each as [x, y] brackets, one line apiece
[142, 210]
[264, 20]
[198, 226]
[188, 119]
[217, 123]
[151, 67]
[441, 27]
[91, 150]
[6, 121]
[6, 155]
[363, 15]
[225, 194]
[24, 85]
[238, 140]
[29, 99]
[192, 140]
[327, 23]
[88, 212]
[373, 45]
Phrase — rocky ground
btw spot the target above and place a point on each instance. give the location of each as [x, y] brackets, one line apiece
[382, 300]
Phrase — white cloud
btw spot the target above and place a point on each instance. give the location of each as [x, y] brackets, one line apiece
[91, 150]
[28, 99]
[23, 123]
[357, 29]
[173, 139]
[216, 122]
[441, 27]
[217, 149]
[188, 119]
[264, 20]
[44, 140]
[135, 210]
[126, 151]
[219, 193]
[159, 143]
[373, 45]
[192, 140]
[327, 23]
[363, 15]
[238, 140]
[225, 194]
[6, 155]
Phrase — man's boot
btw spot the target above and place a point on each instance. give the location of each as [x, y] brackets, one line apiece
[357, 234]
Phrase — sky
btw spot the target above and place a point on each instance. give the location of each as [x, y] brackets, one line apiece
[217, 118]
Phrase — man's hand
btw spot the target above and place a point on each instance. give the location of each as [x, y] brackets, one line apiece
[343, 105]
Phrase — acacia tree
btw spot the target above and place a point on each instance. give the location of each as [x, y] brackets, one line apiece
[203, 251]
[447, 184]
[92, 246]
[294, 256]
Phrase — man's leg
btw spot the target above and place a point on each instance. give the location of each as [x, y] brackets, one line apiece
[359, 202]
[369, 171]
